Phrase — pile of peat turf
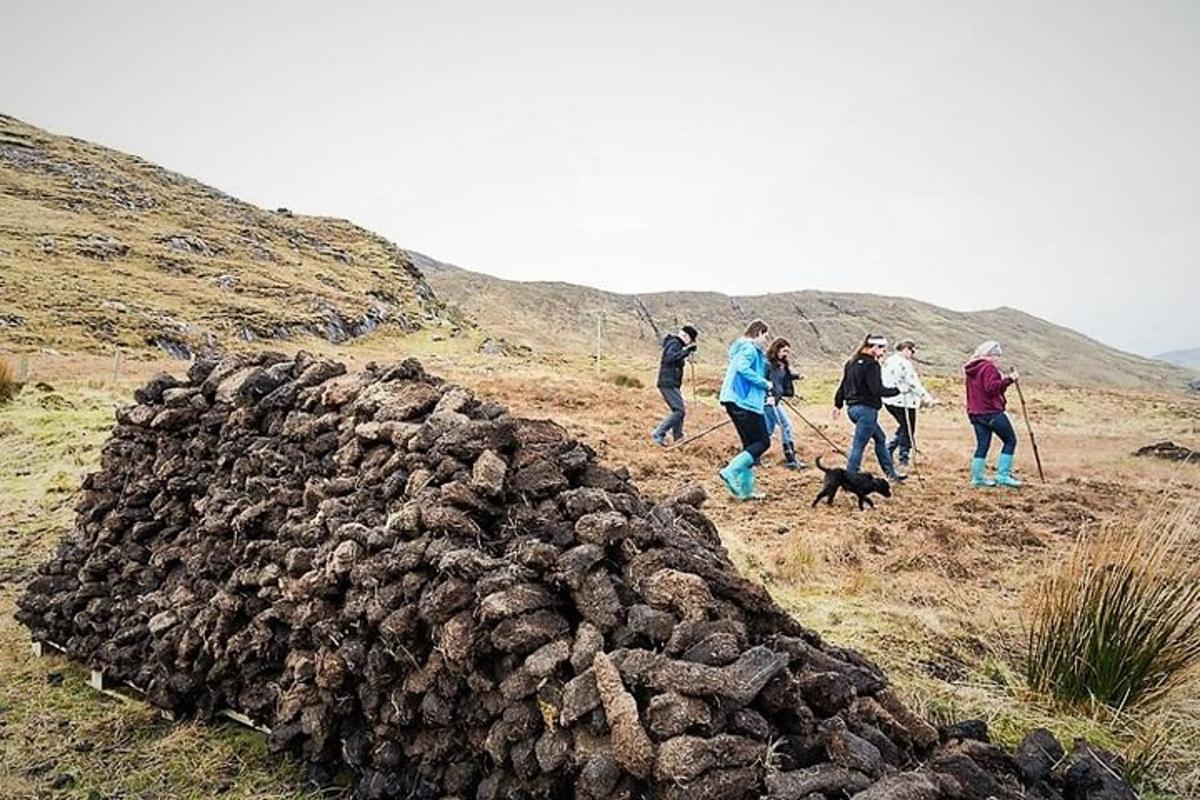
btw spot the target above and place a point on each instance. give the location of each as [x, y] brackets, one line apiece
[1170, 451]
[399, 578]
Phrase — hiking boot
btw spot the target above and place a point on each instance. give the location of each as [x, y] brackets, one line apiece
[658, 439]
[1004, 472]
[979, 473]
[897, 477]
[789, 456]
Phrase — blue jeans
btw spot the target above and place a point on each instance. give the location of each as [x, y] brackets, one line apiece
[987, 424]
[866, 428]
[673, 422]
[776, 416]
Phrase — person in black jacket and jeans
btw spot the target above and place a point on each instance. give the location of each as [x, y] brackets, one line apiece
[862, 392]
[675, 351]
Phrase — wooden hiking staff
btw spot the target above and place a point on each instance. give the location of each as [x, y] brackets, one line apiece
[820, 432]
[692, 370]
[696, 436]
[1025, 413]
[909, 420]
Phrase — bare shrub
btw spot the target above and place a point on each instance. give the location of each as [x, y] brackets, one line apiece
[1119, 621]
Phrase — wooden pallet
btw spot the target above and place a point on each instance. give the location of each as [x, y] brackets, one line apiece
[129, 693]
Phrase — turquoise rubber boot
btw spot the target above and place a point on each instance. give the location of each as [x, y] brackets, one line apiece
[1004, 472]
[734, 474]
[978, 473]
[748, 487]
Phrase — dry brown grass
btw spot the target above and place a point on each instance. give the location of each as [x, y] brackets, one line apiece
[8, 382]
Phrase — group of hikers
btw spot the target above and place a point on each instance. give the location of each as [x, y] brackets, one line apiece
[759, 382]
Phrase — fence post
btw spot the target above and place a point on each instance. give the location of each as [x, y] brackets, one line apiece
[116, 365]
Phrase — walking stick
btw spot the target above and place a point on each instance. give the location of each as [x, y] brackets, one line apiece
[696, 436]
[1025, 413]
[820, 432]
[909, 420]
[692, 371]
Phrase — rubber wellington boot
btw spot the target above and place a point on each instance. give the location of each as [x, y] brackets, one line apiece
[734, 474]
[979, 473]
[748, 487]
[789, 456]
[1004, 472]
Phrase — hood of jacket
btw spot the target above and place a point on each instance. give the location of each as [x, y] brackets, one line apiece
[974, 368]
[741, 345]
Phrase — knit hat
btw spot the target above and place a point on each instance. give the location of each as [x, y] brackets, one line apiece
[690, 331]
[986, 350]
[877, 341]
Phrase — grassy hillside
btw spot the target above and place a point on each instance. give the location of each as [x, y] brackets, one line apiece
[101, 249]
[823, 326]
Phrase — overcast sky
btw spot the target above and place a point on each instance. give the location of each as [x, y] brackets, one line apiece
[1040, 155]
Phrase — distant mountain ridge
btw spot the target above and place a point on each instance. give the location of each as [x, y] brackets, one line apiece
[824, 327]
[1189, 358]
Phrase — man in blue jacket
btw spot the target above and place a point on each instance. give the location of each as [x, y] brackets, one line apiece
[675, 351]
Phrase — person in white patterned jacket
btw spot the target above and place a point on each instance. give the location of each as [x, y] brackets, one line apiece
[899, 371]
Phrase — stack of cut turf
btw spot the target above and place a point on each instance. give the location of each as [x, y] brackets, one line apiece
[399, 578]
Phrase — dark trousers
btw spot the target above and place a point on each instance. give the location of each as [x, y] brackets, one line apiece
[906, 421]
[673, 422]
[987, 424]
[751, 429]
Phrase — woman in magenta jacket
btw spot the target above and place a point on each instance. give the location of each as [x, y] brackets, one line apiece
[985, 408]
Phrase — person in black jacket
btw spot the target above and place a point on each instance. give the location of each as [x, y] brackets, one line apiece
[783, 386]
[862, 392]
[675, 351]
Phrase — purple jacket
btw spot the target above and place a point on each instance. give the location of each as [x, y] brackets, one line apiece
[985, 387]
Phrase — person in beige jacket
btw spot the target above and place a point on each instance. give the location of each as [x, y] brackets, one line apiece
[899, 371]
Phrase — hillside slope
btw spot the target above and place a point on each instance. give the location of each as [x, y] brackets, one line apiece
[823, 326]
[101, 249]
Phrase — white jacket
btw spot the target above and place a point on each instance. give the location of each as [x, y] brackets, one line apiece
[899, 372]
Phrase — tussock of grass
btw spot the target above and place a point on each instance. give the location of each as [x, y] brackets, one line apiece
[8, 382]
[1119, 622]
[797, 562]
[625, 381]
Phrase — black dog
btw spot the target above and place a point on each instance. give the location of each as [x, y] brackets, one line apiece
[859, 483]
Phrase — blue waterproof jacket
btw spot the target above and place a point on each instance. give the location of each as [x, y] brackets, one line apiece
[746, 381]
